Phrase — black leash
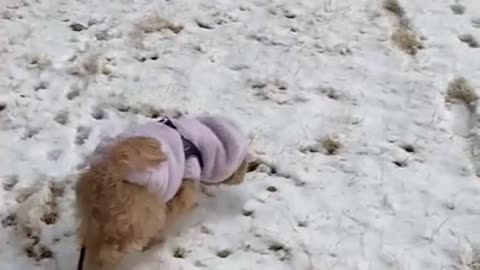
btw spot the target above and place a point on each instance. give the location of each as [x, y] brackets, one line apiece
[81, 258]
[188, 147]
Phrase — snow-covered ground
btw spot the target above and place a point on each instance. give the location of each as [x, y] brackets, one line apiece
[365, 166]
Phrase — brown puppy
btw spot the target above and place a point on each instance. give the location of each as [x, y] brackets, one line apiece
[117, 217]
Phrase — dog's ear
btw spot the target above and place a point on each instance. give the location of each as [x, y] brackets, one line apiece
[238, 176]
[138, 153]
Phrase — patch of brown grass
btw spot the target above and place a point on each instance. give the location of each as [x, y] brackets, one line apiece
[470, 257]
[459, 89]
[151, 24]
[88, 64]
[407, 40]
[475, 263]
[394, 7]
[331, 145]
[158, 24]
[404, 36]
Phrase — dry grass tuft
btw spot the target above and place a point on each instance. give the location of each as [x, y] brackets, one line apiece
[459, 89]
[405, 23]
[470, 256]
[91, 64]
[151, 24]
[331, 145]
[394, 7]
[158, 24]
[406, 40]
[475, 263]
[39, 61]
[85, 65]
[404, 36]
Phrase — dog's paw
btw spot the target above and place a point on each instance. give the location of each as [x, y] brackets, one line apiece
[185, 199]
[155, 241]
[207, 192]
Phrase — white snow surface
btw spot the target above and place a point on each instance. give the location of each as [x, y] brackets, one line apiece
[290, 73]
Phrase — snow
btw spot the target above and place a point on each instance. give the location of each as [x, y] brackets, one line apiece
[291, 73]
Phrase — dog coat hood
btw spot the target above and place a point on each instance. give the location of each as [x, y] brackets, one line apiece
[221, 145]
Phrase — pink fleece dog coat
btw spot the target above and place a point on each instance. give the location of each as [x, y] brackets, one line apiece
[218, 145]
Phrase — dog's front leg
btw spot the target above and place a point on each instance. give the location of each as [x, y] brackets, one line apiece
[183, 201]
[158, 239]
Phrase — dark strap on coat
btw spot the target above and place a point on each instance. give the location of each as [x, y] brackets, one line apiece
[188, 147]
[81, 258]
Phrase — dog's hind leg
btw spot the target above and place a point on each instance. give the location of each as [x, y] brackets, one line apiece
[183, 201]
[238, 176]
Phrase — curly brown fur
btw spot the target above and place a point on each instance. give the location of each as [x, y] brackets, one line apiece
[117, 217]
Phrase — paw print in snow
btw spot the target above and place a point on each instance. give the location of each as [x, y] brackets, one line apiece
[62, 117]
[10, 182]
[458, 9]
[99, 114]
[224, 253]
[9, 221]
[283, 252]
[82, 135]
[54, 154]
[476, 22]
[470, 40]
[329, 145]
